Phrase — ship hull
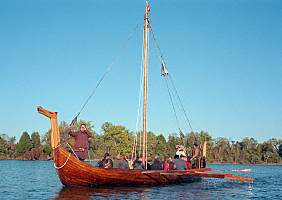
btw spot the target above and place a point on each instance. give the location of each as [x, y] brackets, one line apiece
[73, 172]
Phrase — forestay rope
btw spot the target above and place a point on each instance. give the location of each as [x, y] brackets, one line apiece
[172, 104]
[108, 69]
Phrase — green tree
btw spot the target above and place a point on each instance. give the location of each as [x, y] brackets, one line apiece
[250, 153]
[7, 146]
[117, 139]
[161, 147]
[268, 152]
[46, 143]
[35, 139]
[151, 145]
[3, 146]
[222, 150]
[24, 144]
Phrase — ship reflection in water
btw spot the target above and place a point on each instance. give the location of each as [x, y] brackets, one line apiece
[84, 193]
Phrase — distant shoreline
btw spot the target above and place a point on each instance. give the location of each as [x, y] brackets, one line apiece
[213, 163]
[265, 164]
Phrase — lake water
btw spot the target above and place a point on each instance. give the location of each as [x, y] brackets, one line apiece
[38, 180]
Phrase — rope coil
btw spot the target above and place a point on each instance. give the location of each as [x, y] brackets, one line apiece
[63, 164]
[67, 158]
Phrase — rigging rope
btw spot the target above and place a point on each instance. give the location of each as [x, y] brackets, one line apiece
[157, 45]
[178, 97]
[172, 104]
[138, 119]
[171, 80]
[121, 49]
[165, 74]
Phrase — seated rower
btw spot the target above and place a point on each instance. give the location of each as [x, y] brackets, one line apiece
[121, 163]
[180, 164]
[157, 164]
[185, 159]
[169, 164]
[137, 164]
[106, 162]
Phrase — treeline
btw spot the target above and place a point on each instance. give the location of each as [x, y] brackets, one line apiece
[118, 140]
[28, 147]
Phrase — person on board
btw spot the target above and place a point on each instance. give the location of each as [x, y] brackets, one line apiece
[185, 159]
[117, 161]
[180, 150]
[203, 162]
[106, 162]
[121, 163]
[157, 164]
[169, 164]
[81, 144]
[195, 157]
[137, 164]
[180, 164]
[124, 164]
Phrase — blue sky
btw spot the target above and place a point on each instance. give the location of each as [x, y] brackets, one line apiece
[225, 57]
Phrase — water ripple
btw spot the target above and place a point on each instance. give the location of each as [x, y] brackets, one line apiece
[38, 180]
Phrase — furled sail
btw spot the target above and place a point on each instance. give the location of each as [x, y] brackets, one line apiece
[164, 70]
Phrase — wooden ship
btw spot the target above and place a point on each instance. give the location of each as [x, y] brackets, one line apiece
[73, 172]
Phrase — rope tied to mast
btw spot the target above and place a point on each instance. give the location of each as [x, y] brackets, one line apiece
[108, 69]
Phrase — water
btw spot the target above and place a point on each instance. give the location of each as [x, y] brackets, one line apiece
[38, 180]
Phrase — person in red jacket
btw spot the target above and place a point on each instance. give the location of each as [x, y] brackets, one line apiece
[188, 164]
[169, 164]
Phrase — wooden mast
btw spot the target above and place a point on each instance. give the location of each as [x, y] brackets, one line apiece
[145, 84]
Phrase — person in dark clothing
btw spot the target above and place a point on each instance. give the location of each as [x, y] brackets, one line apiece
[81, 144]
[106, 162]
[137, 164]
[148, 166]
[121, 163]
[124, 163]
[157, 164]
[203, 162]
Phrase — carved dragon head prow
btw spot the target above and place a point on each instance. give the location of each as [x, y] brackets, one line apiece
[46, 113]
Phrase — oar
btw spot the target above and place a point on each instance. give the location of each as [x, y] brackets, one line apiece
[210, 175]
[240, 170]
[177, 171]
[232, 170]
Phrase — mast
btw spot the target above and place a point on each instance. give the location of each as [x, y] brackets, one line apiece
[145, 84]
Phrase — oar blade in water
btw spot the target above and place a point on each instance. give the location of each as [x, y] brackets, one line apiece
[212, 175]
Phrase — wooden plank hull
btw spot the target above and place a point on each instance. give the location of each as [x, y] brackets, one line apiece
[73, 172]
